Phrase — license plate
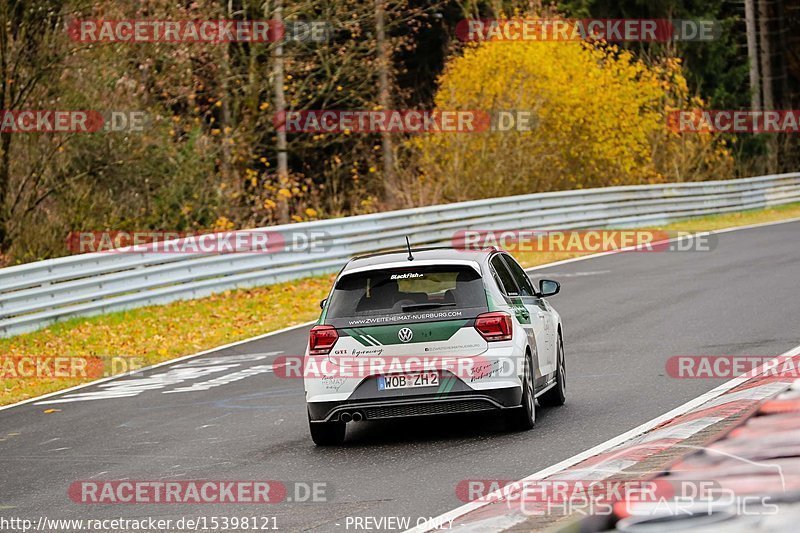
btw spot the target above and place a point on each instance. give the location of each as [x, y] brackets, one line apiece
[408, 381]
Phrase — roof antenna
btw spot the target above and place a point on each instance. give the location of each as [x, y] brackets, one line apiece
[408, 245]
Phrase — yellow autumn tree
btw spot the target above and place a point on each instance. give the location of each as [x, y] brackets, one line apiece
[600, 118]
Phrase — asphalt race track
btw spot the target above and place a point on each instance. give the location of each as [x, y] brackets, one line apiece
[624, 316]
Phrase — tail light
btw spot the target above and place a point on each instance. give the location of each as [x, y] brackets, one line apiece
[321, 339]
[494, 326]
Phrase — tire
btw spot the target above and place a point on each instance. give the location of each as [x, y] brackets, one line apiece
[326, 433]
[558, 394]
[523, 417]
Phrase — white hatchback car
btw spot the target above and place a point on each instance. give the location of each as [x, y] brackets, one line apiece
[432, 331]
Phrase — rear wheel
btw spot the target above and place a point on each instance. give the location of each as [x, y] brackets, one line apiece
[326, 433]
[523, 417]
[558, 394]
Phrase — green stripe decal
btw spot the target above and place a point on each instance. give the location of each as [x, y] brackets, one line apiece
[445, 386]
[492, 304]
[358, 335]
[522, 313]
[422, 332]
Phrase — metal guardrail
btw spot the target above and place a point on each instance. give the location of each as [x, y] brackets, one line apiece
[36, 294]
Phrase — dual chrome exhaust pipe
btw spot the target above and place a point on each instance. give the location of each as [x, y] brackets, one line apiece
[355, 416]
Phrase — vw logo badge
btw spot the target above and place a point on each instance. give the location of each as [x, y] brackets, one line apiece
[405, 334]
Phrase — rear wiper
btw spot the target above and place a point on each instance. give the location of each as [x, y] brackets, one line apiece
[429, 305]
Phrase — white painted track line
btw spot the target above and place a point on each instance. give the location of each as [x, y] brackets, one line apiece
[602, 447]
[163, 363]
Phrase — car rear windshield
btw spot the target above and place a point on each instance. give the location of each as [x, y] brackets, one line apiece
[408, 294]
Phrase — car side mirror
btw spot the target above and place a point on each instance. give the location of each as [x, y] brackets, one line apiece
[548, 287]
[322, 303]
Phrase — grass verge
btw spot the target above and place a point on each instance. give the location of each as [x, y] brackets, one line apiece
[158, 333]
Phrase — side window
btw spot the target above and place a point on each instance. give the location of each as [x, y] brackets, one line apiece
[504, 276]
[522, 279]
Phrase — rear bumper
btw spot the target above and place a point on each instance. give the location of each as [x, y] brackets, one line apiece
[377, 409]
